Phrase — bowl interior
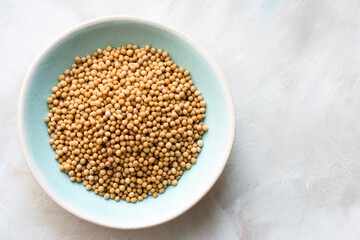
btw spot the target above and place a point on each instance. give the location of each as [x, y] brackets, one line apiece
[73, 196]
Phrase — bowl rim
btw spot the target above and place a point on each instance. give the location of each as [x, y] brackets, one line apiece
[37, 174]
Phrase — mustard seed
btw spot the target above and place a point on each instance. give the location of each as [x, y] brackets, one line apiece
[126, 122]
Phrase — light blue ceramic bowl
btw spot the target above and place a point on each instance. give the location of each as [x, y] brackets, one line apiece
[118, 31]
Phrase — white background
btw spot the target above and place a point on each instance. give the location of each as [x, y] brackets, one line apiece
[293, 67]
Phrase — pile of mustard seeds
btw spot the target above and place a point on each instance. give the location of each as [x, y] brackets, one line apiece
[126, 122]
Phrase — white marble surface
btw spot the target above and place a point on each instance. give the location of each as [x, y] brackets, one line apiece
[293, 67]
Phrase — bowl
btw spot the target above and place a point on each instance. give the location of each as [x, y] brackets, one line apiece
[117, 31]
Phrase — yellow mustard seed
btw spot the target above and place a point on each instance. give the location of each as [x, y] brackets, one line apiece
[126, 122]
